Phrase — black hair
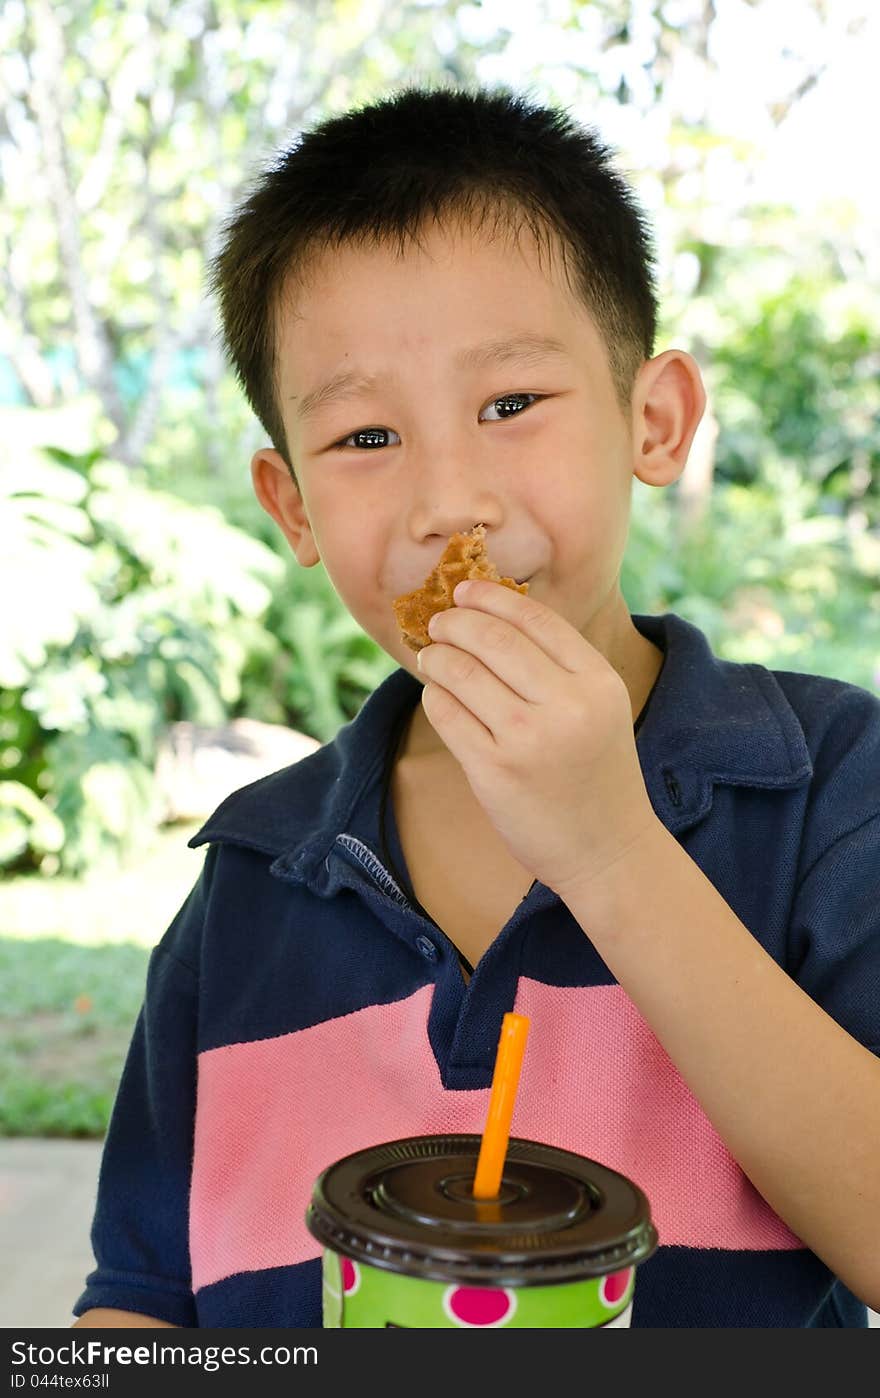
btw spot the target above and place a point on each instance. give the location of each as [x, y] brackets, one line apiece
[383, 171]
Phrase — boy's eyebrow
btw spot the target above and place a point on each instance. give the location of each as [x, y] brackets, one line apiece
[350, 383]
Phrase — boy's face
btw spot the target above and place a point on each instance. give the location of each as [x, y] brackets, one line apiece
[471, 416]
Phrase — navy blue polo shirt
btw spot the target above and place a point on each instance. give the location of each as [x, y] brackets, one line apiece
[302, 1005]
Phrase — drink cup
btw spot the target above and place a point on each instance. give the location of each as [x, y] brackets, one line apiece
[405, 1243]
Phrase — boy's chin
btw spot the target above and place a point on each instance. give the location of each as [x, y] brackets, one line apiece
[400, 652]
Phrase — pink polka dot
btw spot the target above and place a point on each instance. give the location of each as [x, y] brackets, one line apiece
[613, 1287]
[350, 1276]
[479, 1305]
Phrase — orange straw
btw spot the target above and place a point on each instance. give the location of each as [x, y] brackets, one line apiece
[505, 1080]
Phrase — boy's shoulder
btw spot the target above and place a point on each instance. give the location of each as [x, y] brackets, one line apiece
[713, 721]
[311, 797]
[840, 722]
[828, 709]
[711, 692]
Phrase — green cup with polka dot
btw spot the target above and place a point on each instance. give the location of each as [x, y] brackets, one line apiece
[406, 1245]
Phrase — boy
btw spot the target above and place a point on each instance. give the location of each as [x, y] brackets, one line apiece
[441, 308]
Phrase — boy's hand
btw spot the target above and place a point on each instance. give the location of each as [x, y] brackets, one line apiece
[542, 727]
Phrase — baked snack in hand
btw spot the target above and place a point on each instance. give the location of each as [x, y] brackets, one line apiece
[464, 557]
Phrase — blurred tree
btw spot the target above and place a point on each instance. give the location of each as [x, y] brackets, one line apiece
[127, 132]
[133, 127]
[662, 61]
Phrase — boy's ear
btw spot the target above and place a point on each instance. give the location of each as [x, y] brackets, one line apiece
[668, 402]
[281, 499]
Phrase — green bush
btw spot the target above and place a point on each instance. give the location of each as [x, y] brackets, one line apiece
[323, 664]
[125, 609]
[767, 574]
[795, 371]
[783, 568]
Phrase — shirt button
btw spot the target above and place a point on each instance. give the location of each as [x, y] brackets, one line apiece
[427, 948]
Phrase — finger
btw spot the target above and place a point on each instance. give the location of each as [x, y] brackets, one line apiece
[464, 679]
[546, 628]
[504, 650]
[463, 734]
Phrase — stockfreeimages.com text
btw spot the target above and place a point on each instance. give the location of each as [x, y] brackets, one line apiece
[90, 1353]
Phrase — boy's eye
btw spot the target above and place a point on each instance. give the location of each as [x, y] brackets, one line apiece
[370, 438]
[513, 405]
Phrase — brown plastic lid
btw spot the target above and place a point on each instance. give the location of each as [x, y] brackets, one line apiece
[407, 1206]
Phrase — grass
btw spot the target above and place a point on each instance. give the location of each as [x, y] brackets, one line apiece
[73, 961]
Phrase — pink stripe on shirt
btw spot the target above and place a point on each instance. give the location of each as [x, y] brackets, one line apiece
[272, 1113]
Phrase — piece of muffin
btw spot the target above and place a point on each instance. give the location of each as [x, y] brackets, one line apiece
[464, 557]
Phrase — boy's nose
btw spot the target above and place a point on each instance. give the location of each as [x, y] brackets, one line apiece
[438, 526]
[453, 502]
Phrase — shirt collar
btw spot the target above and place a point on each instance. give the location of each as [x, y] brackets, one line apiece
[710, 722]
[713, 722]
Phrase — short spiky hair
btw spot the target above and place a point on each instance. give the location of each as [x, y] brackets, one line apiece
[385, 170]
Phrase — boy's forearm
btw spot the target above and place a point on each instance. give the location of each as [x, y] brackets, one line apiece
[795, 1098]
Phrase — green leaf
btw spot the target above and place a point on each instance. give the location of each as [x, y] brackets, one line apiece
[26, 821]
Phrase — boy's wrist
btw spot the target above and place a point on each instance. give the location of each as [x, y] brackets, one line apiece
[601, 896]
